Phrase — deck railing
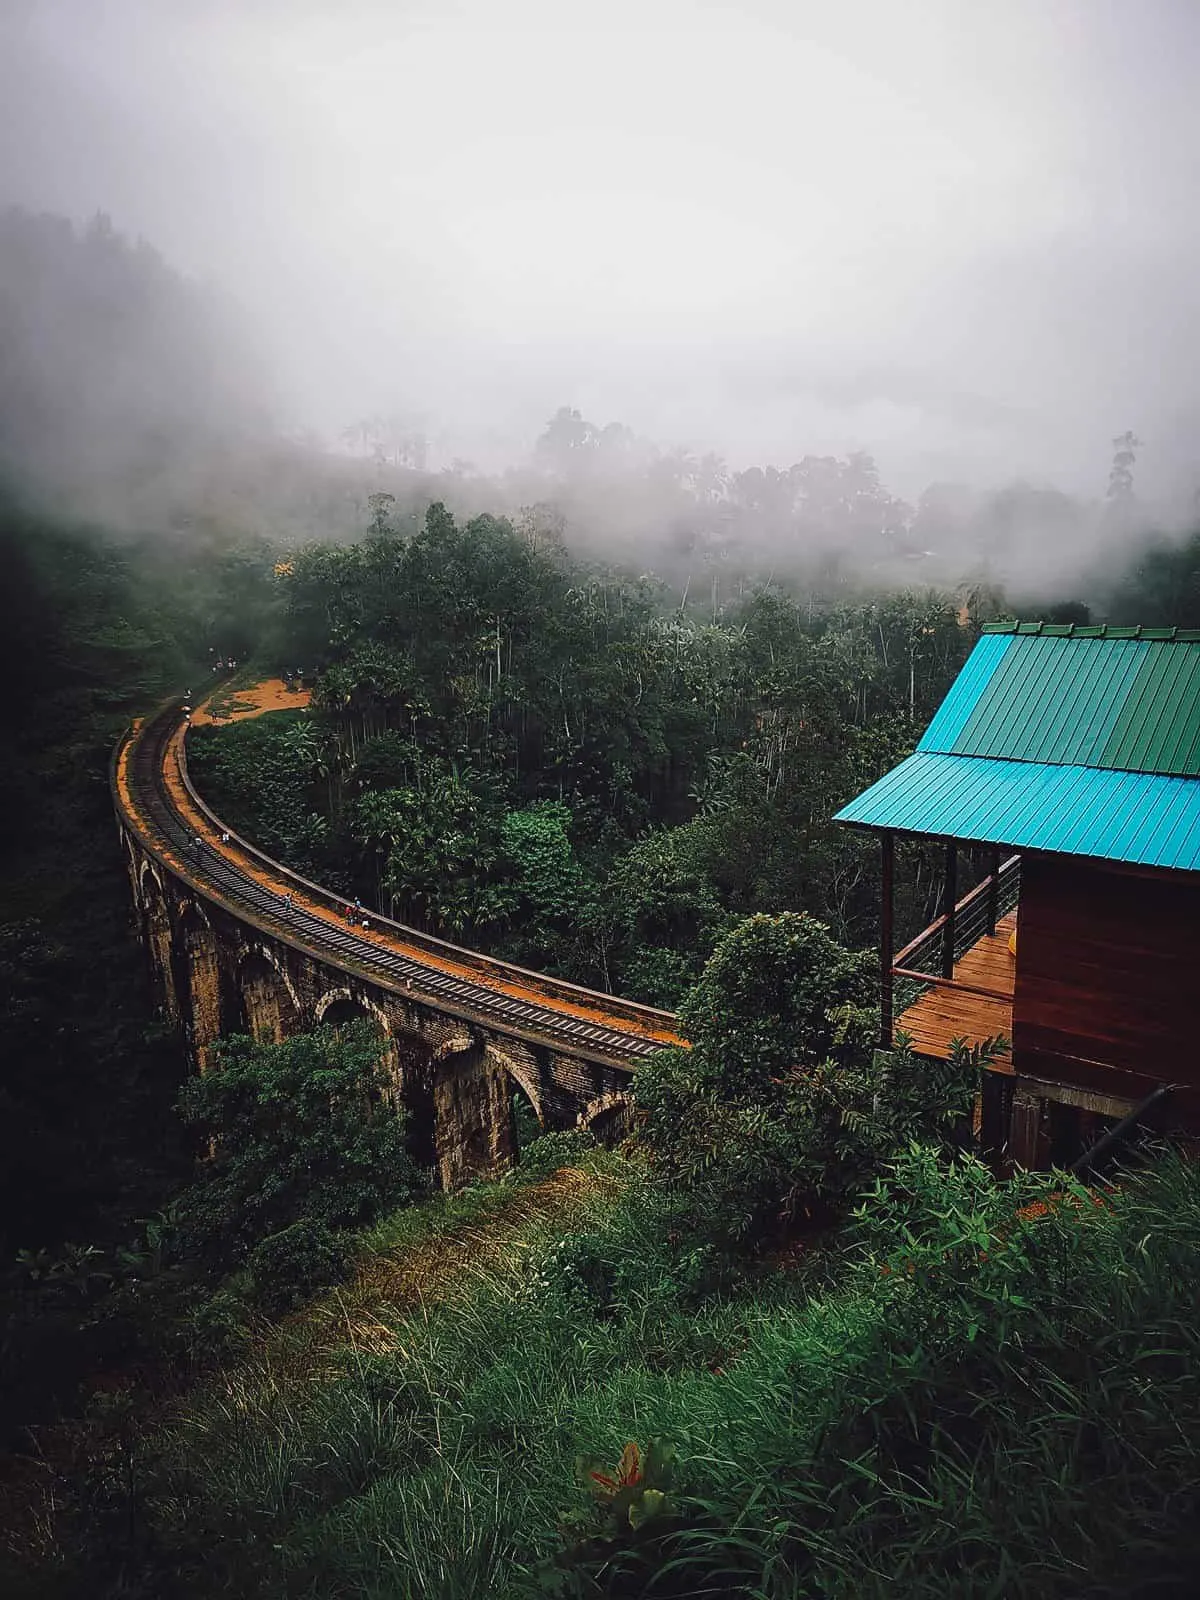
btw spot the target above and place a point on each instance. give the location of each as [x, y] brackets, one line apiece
[923, 961]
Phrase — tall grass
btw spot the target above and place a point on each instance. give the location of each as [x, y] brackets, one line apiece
[968, 1402]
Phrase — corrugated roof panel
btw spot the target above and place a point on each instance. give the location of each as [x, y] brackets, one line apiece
[1178, 712]
[1139, 700]
[1180, 737]
[1174, 822]
[951, 715]
[1145, 818]
[1160, 720]
[1053, 699]
[1074, 699]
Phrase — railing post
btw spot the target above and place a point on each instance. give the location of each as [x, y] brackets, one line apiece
[886, 905]
[993, 894]
[949, 901]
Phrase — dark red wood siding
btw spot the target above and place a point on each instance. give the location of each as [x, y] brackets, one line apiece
[1108, 976]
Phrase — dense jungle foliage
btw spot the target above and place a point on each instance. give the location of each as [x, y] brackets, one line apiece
[512, 749]
[794, 1336]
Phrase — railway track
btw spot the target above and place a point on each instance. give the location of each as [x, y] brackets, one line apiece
[158, 803]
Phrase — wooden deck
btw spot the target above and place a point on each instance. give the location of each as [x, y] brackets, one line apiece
[945, 1011]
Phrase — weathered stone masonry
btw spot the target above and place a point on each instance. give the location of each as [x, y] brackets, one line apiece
[221, 975]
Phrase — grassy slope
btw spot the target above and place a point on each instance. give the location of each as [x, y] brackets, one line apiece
[352, 1436]
[1025, 1418]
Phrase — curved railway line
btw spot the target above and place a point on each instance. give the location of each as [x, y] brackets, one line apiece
[158, 803]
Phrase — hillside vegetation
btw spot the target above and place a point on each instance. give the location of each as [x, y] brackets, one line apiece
[978, 1389]
[793, 1339]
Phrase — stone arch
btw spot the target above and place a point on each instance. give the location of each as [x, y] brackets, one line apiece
[342, 1005]
[525, 1117]
[451, 1044]
[149, 870]
[335, 1000]
[200, 985]
[609, 1116]
[269, 1005]
[524, 1075]
[472, 1119]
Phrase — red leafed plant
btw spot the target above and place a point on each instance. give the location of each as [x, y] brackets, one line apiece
[635, 1491]
[628, 1473]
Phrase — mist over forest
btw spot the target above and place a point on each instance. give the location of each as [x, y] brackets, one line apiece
[875, 320]
[135, 399]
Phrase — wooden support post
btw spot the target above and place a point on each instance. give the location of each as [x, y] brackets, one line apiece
[1027, 1142]
[949, 900]
[993, 894]
[996, 1095]
[887, 898]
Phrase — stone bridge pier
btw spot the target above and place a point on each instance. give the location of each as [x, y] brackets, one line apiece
[455, 1077]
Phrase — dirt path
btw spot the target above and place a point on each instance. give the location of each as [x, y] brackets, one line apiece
[388, 1284]
[240, 705]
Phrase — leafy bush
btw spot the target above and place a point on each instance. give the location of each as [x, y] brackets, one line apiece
[774, 996]
[636, 1259]
[288, 1267]
[544, 882]
[769, 1114]
[299, 1130]
[748, 1167]
[782, 1109]
[544, 1155]
[216, 1329]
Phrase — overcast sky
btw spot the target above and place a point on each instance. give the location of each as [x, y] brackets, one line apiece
[962, 234]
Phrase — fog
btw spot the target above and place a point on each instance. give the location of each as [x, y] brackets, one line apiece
[961, 237]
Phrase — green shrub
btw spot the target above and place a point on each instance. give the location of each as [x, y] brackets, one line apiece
[288, 1267]
[544, 1155]
[217, 1329]
[783, 1109]
[305, 1129]
[749, 1167]
[769, 1115]
[774, 995]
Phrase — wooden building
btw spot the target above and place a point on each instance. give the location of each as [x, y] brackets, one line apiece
[1071, 757]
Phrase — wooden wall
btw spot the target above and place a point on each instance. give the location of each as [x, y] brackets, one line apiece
[1108, 977]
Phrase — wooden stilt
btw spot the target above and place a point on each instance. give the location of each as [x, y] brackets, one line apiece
[886, 940]
[949, 901]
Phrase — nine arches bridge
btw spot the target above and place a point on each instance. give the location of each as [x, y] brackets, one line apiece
[239, 943]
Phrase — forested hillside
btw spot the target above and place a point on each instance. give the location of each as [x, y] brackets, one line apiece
[510, 748]
[289, 1367]
[594, 715]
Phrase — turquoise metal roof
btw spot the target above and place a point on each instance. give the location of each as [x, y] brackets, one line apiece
[1129, 704]
[1081, 740]
[1138, 817]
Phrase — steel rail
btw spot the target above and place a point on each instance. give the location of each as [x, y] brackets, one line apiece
[157, 822]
